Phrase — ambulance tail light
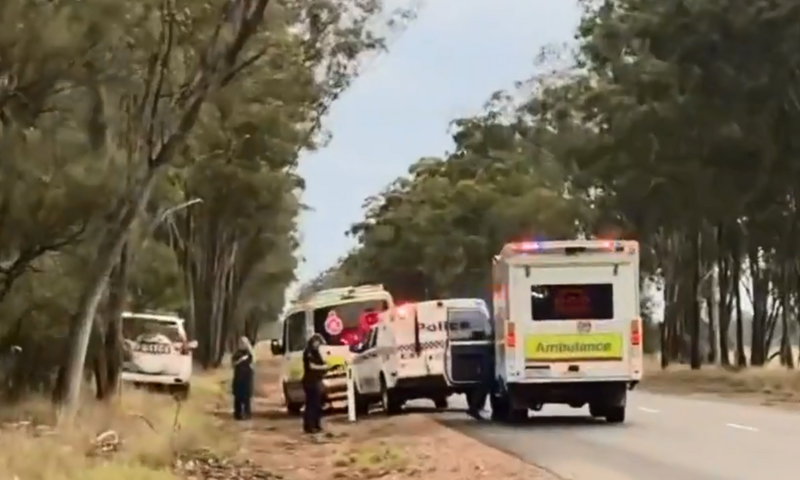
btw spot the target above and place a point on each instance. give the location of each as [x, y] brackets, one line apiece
[511, 335]
[636, 332]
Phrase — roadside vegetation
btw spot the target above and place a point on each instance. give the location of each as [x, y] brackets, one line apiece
[149, 162]
[666, 122]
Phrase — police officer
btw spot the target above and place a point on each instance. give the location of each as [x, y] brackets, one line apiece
[314, 369]
[476, 398]
[242, 384]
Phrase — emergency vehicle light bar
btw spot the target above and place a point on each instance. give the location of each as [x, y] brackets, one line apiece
[569, 247]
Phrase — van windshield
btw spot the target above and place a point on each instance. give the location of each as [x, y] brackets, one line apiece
[356, 320]
[586, 301]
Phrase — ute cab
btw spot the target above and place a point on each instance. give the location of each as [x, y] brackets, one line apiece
[566, 315]
[405, 358]
[344, 317]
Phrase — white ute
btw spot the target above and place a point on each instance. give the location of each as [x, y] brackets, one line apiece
[403, 358]
[567, 327]
[157, 351]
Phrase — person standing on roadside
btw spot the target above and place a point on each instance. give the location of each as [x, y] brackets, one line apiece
[243, 360]
[314, 368]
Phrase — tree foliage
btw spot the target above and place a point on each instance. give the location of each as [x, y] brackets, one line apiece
[673, 126]
[149, 162]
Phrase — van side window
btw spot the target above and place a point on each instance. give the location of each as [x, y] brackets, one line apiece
[295, 329]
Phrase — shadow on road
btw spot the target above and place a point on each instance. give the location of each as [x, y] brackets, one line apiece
[534, 422]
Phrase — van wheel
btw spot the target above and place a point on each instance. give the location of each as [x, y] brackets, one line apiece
[596, 410]
[501, 406]
[362, 404]
[391, 404]
[440, 403]
[292, 408]
[615, 414]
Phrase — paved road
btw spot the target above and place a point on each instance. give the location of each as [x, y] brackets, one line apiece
[665, 438]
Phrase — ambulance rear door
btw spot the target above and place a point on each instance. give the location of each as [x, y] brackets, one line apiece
[576, 311]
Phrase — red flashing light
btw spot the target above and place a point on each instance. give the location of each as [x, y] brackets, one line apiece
[636, 332]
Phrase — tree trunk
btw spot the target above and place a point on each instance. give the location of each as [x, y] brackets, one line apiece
[723, 300]
[695, 354]
[741, 358]
[68, 386]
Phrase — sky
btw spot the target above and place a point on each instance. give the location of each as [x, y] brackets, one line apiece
[443, 67]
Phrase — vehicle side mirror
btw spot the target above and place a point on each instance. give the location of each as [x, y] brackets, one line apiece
[192, 344]
[276, 347]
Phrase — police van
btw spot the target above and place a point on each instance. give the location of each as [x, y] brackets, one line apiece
[567, 328]
[343, 317]
[403, 359]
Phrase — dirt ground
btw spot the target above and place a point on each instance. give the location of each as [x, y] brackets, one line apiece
[393, 448]
[769, 386]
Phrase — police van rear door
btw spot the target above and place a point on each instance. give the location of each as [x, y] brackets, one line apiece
[470, 342]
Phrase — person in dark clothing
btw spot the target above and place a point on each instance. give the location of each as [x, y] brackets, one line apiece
[314, 368]
[476, 398]
[243, 360]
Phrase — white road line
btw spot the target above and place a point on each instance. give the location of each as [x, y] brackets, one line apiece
[649, 410]
[741, 427]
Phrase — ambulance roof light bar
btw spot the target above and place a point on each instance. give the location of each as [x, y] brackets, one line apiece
[566, 246]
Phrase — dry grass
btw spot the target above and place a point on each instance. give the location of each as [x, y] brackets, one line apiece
[771, 385]
[136, 437]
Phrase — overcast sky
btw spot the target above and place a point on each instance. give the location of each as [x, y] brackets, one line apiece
[444, 66]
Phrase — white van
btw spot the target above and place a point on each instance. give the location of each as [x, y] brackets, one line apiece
[403, 359]
[567, 324]
[338, 315]
[157, 351]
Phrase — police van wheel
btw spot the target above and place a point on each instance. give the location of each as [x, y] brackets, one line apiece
[615, 414]
[389, 401]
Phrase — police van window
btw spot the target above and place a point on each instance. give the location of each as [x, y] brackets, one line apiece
[295, 332]
[352, 316]
[468, 324]
[587, 301]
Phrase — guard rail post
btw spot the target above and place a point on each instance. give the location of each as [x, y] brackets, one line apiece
[351, 394]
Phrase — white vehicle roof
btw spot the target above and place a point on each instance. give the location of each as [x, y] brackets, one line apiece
[335, 296]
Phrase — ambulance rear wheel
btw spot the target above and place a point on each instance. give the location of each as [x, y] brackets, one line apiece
[615, 414]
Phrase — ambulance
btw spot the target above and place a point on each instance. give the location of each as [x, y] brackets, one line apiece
[344, 317]
[567, 328]
[403, 359]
